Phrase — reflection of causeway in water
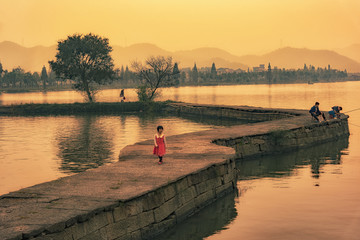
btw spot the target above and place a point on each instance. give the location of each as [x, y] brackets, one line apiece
[282, 165]
[208, 221]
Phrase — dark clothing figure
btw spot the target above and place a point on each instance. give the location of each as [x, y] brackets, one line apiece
[336, 109]
[315, 112]
[335, 112]
[122, 95]
[332, 114]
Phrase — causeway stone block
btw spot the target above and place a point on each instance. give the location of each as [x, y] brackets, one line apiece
[202, 187]
[166, 209]
[229, 178]
[134, 207]
[132, 223]
[56, 236]
[169, 192]
[94, 236]
[146, 218]
[136, 235]
[98, 221]
[117, 229]
[150, 231]
[221, 170]
[187, 195]
[181, 185]
[185, 210]
[153, 200]
[204, 199]
[119, 213]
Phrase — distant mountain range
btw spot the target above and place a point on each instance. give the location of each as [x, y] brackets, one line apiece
[296, 58]
[32, 59]
[352, 51]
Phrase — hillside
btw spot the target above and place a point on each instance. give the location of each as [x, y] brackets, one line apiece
[352, 51]
[125, 55]
[296, 57]
[204, 57]
[32, 59]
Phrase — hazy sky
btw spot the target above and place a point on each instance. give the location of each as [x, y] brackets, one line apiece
[239, 26]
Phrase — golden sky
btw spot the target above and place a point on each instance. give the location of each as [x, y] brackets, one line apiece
[239, 26]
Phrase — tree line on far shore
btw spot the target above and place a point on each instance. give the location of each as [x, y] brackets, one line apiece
[84, 63]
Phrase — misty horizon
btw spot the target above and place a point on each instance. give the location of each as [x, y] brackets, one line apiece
[240, 27]
[190, 49]
[13, 55]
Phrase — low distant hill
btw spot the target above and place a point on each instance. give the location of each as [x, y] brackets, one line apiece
[204, 57]
[296, 58]
[32, 59]
[352, 51]
[125, 55]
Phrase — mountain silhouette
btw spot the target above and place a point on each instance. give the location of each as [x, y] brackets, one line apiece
[296, 58]
[32, 59]
[137, 52]
[352, 51]
[204, 57]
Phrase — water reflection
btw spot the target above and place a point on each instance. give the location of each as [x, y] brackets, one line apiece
[217, 217]
[270, 96]
[213, 96]
[57, 146]
[85, 145]
[44, 96]
[176, 94]
[209, 221]
[284, 164]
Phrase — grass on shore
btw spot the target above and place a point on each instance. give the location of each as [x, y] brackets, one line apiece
[82, 108]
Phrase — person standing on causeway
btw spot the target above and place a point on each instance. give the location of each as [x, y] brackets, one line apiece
[160, 144]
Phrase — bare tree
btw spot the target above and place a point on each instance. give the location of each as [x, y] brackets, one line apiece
[155, 73]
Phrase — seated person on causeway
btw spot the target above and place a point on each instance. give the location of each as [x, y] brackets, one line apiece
[335, 112]
[315, 112]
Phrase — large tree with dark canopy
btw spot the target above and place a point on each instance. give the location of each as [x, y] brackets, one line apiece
[86, 60]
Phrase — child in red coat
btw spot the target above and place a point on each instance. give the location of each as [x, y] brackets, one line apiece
[160, 144]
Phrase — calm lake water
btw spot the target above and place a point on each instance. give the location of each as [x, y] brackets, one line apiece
[38, 149]
[308, 194]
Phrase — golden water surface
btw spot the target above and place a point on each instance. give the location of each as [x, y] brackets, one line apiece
[307, 194]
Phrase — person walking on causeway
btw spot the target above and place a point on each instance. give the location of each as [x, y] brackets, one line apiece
[160, 144]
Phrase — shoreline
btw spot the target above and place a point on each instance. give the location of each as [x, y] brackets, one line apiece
[46, 109]
[16, 91]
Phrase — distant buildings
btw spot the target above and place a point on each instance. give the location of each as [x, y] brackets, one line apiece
[260, 68]
[229, 70]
